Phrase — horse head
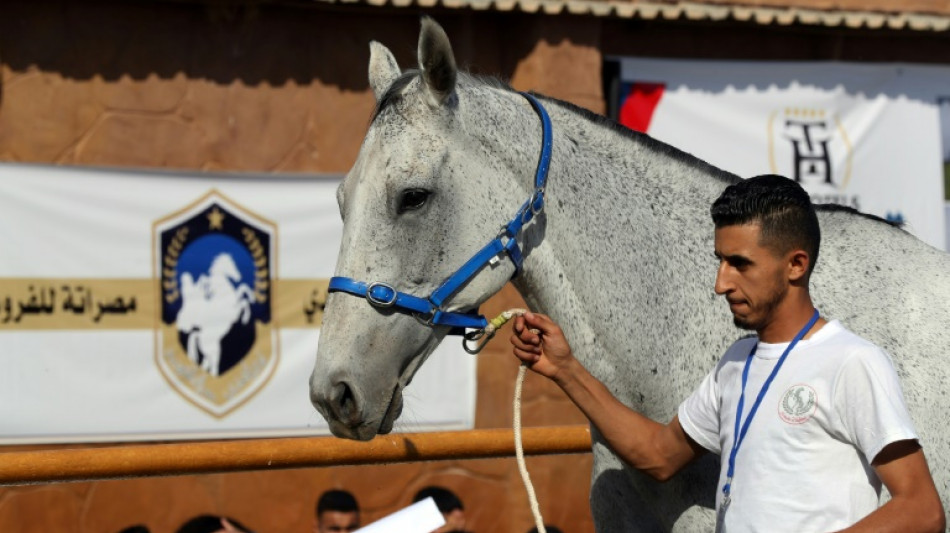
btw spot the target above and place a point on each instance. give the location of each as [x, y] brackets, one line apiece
[421, 198]
[223, 266]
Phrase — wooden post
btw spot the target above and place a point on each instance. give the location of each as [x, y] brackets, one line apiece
[143, 460]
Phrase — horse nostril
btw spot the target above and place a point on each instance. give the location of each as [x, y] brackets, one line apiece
[343, 402]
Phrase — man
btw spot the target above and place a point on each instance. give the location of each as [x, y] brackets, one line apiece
[337, 512]
[449, 505]
[832, 424]
[212, 524]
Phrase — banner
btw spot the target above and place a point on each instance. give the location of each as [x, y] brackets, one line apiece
[152, 306]
[946, 218]
[862, 135]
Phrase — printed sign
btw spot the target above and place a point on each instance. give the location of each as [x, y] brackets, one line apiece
[865, 136]
[155, 306]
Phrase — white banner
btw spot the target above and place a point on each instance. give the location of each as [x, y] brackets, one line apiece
[145, 305]
[866, 136]
[946, 223]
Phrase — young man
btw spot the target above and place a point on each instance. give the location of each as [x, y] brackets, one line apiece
[818, 411]
[449, 505]
[337, 512]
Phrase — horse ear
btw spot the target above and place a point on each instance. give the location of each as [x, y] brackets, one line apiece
[436, 60]
[383, 69]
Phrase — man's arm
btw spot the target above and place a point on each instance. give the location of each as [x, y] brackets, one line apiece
[657, 449]
[915, 504]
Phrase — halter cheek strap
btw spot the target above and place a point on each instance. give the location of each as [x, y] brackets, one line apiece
[430, 309]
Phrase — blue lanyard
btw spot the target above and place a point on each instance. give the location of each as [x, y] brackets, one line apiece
[740, 436]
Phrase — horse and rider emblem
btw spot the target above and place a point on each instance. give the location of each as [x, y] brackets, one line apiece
[216, 343]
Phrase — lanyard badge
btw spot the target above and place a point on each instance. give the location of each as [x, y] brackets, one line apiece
[743, 428]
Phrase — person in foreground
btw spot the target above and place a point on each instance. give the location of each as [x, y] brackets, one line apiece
[809, 418]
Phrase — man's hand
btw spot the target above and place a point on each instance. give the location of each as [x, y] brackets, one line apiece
[540, 344]
[657, 449]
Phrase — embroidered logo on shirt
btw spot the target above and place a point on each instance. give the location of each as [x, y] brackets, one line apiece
[798, 404]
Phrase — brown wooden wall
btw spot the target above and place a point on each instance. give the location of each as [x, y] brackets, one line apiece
[282, 87]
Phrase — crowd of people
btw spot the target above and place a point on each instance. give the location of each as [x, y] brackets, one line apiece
[337, 511]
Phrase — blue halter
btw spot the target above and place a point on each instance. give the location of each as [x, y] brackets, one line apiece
[429, 310]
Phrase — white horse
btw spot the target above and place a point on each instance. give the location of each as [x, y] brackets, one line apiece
[621, 257]
[210, 307]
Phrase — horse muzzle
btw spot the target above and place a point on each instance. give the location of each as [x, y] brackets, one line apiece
[349, 415]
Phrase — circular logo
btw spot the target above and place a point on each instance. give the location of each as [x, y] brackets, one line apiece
[798, 404]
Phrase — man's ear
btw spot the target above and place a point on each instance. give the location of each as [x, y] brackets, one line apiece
[798, 265]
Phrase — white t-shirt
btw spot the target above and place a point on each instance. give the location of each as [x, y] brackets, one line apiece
[804, 463]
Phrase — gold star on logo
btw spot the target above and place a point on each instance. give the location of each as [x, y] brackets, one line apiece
[215, 217]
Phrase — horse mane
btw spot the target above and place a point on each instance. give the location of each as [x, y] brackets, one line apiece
[394, 93]
[647, 141]
[831, 208]
[606, 122]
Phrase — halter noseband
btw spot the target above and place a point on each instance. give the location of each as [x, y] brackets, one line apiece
[429, 310]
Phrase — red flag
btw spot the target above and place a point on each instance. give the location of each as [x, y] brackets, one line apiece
[637, 109]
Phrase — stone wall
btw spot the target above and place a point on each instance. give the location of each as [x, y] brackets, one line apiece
[274, 88]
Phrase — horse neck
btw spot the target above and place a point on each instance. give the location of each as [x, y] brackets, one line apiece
[613, 193]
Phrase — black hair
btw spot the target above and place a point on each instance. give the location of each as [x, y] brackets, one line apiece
[138, 528]
[337, 500]
[445, 499]
[547, 527]
[207, 523]
[393, 93]
[782, 208]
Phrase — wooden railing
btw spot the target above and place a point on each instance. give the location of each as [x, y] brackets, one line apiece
[114, 462]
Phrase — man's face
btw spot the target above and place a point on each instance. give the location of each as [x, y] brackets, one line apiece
[752, 277]
[337, 522]
[454, 521]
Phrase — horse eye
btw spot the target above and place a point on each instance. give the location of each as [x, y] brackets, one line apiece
[412, 199]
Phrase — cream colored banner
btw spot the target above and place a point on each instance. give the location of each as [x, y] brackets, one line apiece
[100, 304]
[143, 305]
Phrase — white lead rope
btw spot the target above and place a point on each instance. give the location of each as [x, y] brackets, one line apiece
[519, 454]
[493, 326]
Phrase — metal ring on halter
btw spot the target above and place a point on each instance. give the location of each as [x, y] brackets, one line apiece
[504, 238]
[376, 301]
[479, 338]
[526, 214]
[425, 320]
[538, 195]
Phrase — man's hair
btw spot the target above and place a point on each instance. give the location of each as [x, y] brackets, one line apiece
[209, 524]
[337, 500]
[445, 499]
[782, 208]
